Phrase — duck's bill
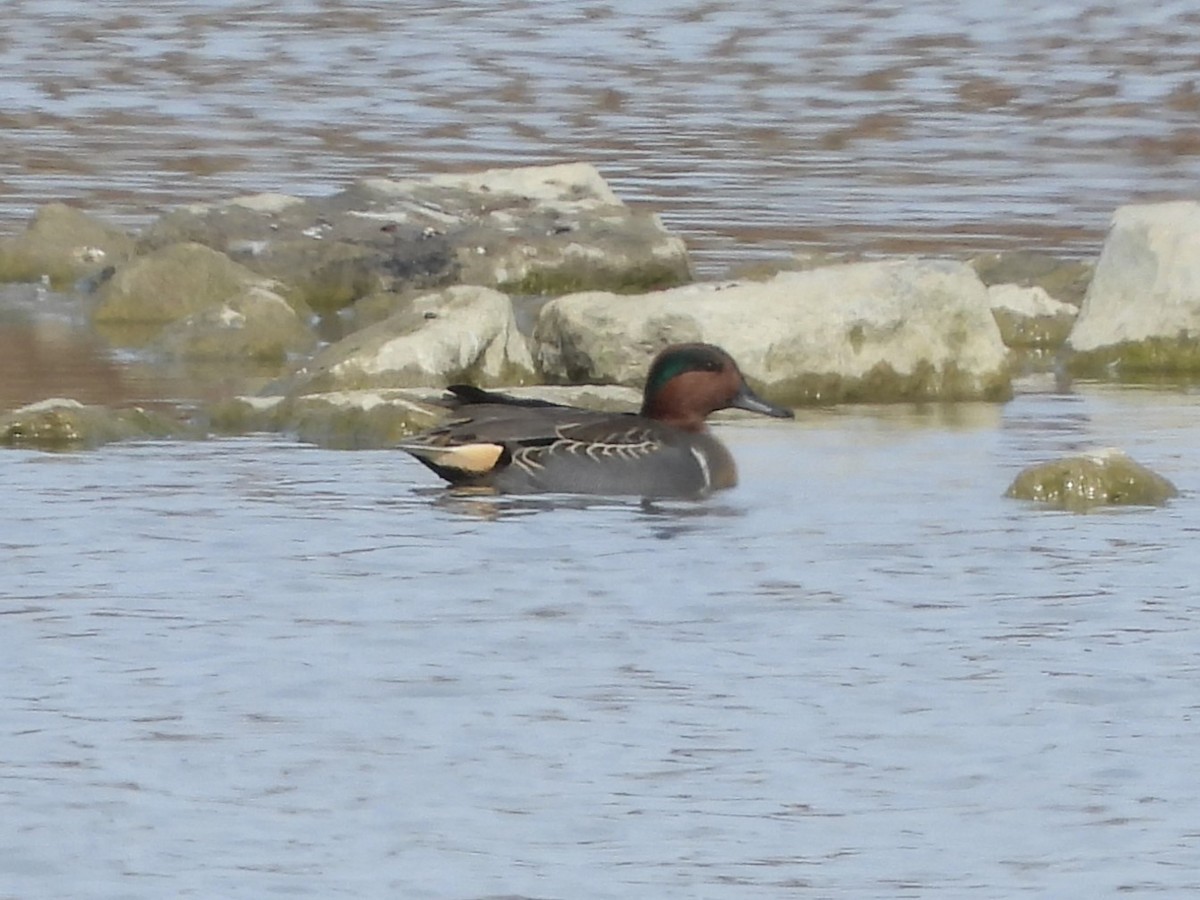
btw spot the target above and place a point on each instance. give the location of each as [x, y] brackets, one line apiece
[748, 400]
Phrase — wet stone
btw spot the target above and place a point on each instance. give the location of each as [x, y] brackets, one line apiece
[1106, 477]
[64, 424]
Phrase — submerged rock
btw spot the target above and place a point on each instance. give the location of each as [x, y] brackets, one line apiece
[1103, 478]
[1142, 311]
[63, 424]
[864, 332]
[64, 246]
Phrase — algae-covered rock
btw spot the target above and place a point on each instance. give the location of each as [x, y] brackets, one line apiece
[1106, 477]
[463, 333]
[1029, 318]
[329, 252]
[902, 330]
[171, 284]
[1066, 280]
[245, 414]
[540, 229]
[356, 420]
[256, 325]
[63, 245]
[1142, 312]
[547, 230]
[63, 424]
[344, 420]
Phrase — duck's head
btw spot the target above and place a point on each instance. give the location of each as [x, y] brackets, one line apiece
[686, 382]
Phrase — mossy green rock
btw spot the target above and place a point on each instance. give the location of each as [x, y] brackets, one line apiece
[62, 424]
[534, 230]
[1150, 359]
[1029, 318]
[344, 420]
[64, 245]
[1105, 478]
[1063, 279]
[171, 284]
[256, 325]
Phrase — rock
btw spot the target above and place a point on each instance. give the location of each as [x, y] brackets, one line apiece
[256, 325]
[63, 424]
[529, 230]
[463, 333]
[1142, 311]
[1105, 477]
[326, 252]
[1063, 279]
[546, 230]
[1029, 318]
[863, 332]
[799, 261]
[173, 283]
[63, 245]
[344, 420]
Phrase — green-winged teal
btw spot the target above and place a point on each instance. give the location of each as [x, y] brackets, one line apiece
[516, 445]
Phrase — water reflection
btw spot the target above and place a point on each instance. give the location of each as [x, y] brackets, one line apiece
[670, 518]
[47, 351]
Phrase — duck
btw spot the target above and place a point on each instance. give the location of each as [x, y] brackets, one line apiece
[517, 445]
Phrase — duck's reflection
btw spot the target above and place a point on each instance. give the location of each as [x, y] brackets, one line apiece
[667, 518]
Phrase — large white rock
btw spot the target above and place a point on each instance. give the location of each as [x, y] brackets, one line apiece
[461, 333]
[874, 331]
[1147, 282]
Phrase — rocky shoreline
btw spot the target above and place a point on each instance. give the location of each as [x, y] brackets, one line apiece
[345, 314]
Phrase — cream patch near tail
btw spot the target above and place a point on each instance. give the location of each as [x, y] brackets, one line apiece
[475, 458]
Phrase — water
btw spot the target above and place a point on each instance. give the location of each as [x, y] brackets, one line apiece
[251, 668]
[931, 126]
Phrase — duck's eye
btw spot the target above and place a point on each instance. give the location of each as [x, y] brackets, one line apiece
[711, 365]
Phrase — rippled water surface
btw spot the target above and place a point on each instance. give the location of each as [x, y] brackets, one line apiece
[929, 125]
[249, 668]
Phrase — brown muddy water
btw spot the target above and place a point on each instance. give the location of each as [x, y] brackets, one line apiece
[248, 668]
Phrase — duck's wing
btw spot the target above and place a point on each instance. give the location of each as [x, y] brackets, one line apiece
[483, 434]
[616, 455]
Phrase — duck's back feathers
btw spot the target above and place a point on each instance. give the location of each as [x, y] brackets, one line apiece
[536, 446]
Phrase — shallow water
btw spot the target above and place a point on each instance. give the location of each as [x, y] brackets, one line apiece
[248, 668]
[755, 129]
